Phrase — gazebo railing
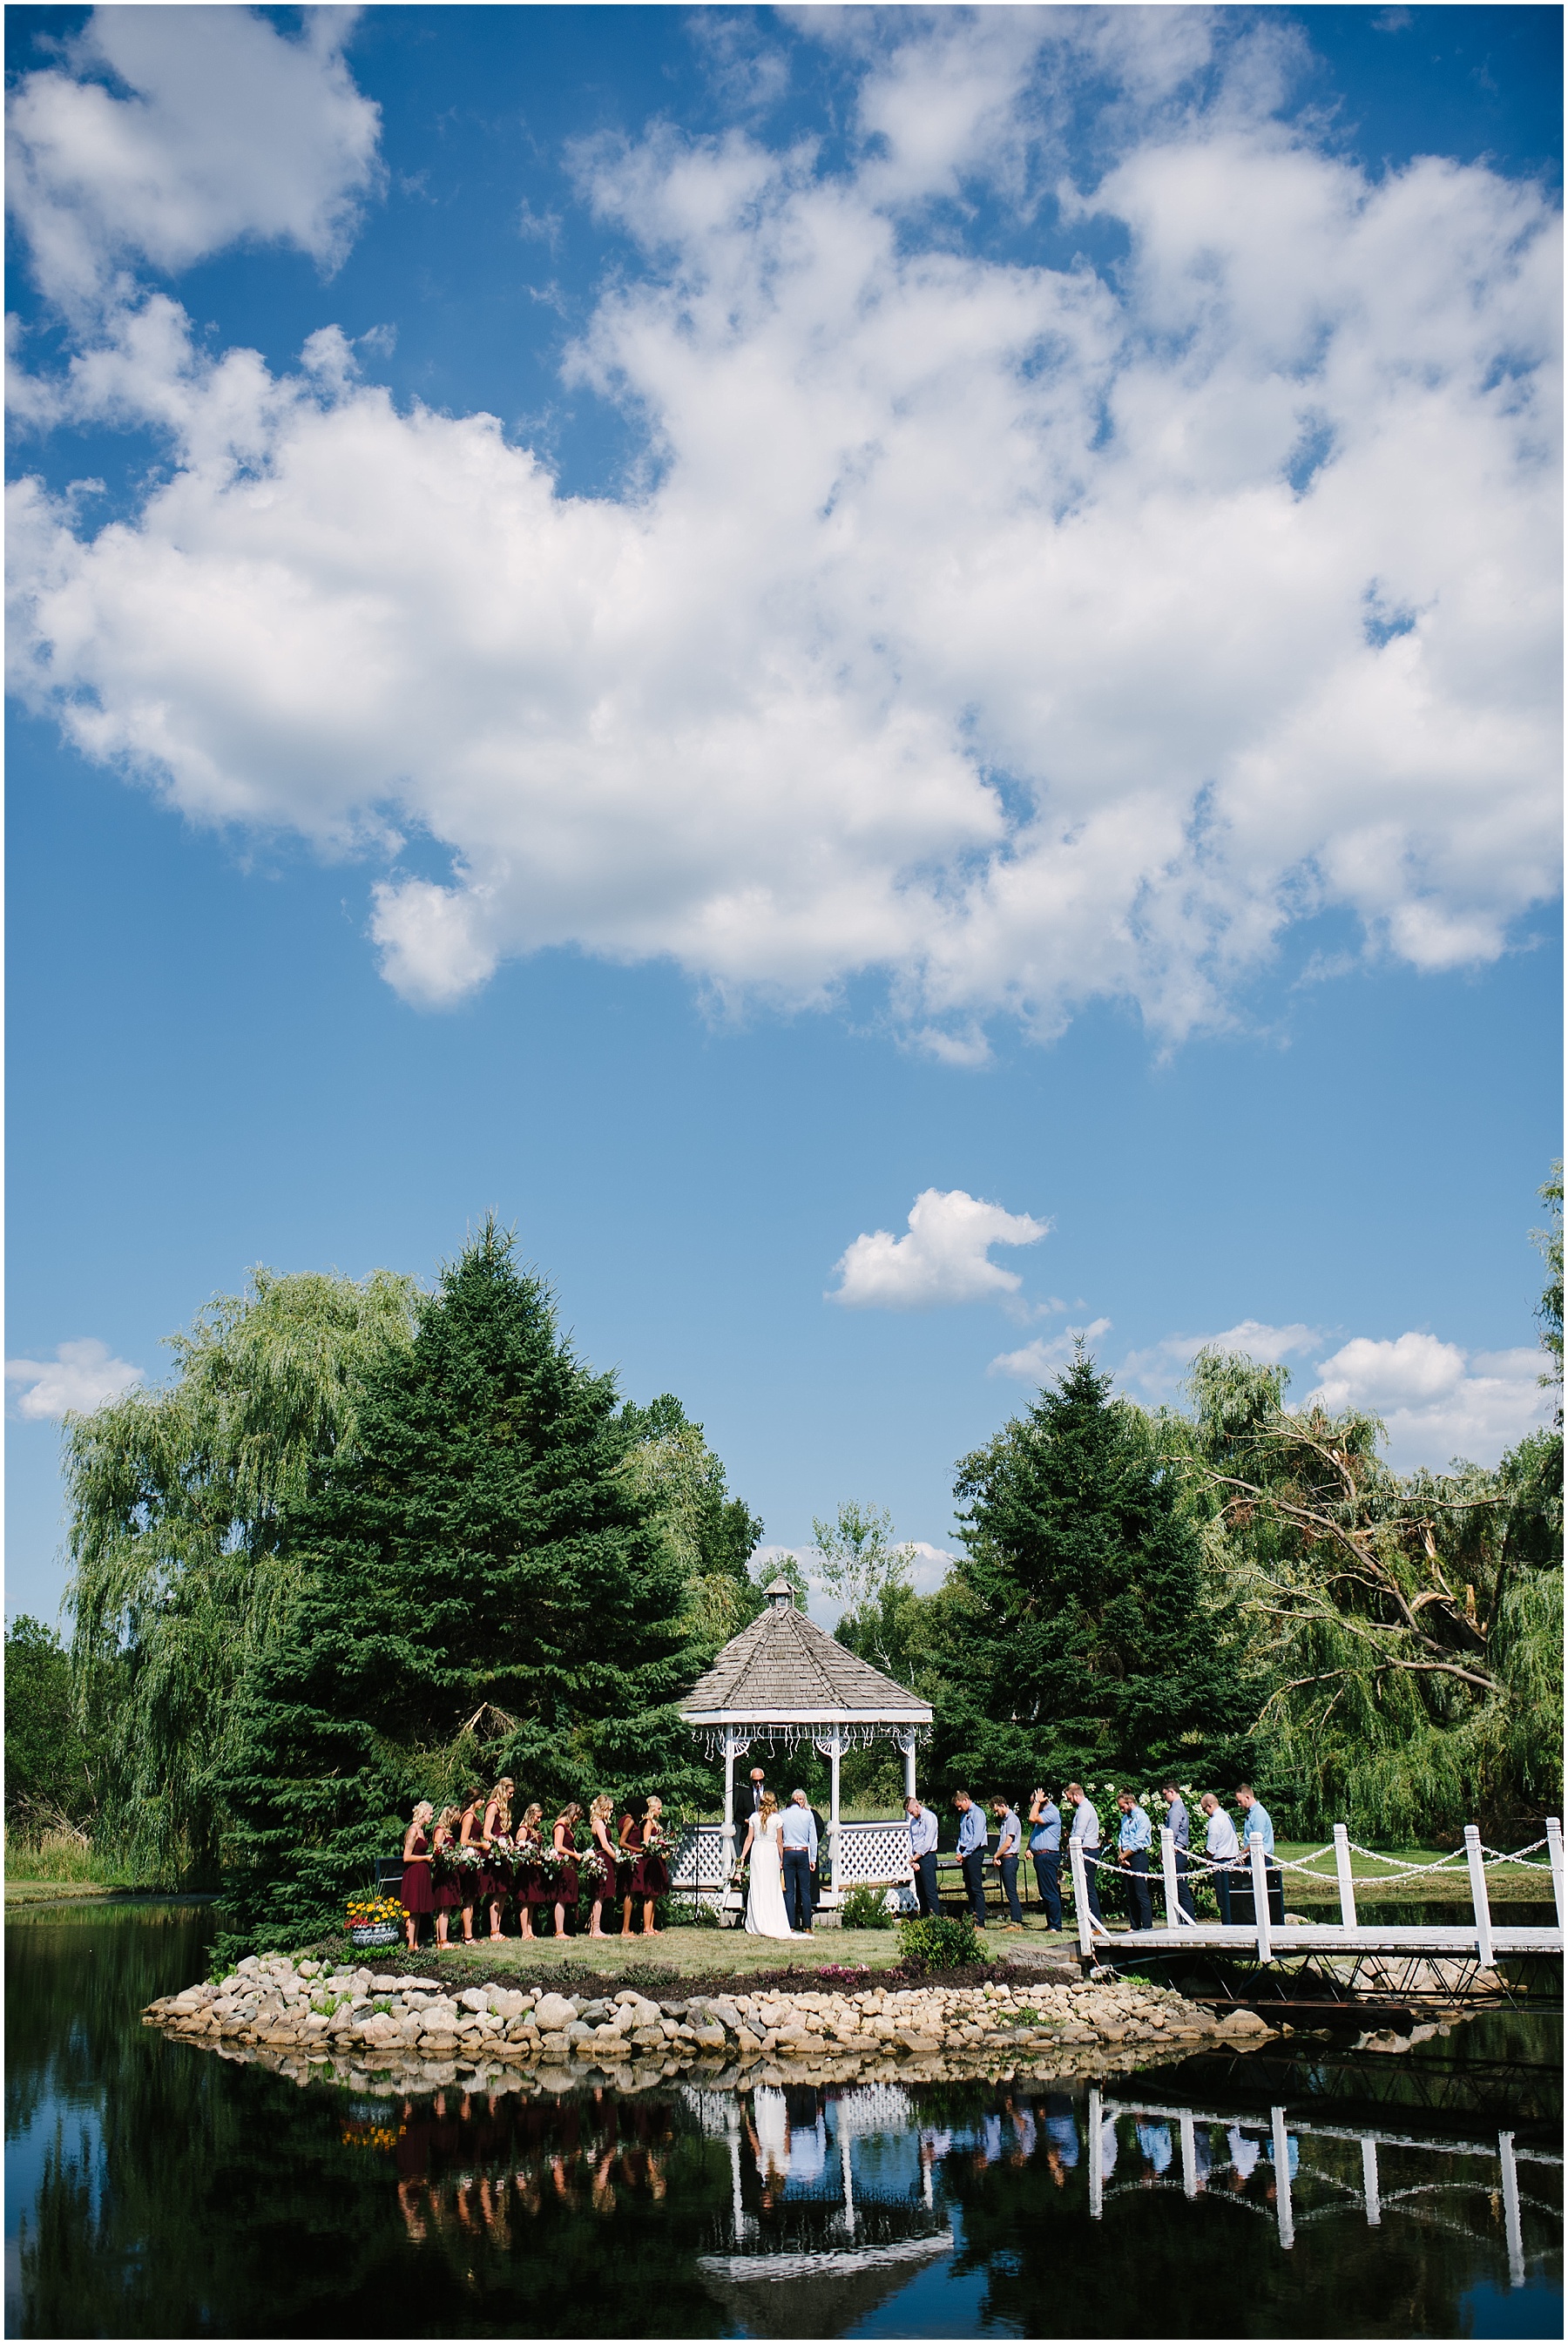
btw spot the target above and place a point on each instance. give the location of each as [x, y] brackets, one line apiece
[870, 1854]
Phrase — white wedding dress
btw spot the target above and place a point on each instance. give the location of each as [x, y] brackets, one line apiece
[765, 1913]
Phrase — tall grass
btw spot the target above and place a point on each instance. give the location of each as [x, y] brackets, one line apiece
[61, 1854]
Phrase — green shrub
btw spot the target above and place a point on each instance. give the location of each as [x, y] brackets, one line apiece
[865, 1908]
[939, 1944]
[696, 1916]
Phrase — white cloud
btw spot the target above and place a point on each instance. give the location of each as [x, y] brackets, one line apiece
[1161, 1369]
[944, 1258]
[80, 1375]
[1438, 1401]
[225, 130]
[1046, 1354]
[1024, 634]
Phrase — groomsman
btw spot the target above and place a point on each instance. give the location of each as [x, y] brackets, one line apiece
[1086, 1827]
[972, 1854]
[923, 1855]
[1009, 1847]
[1222, 1850]
[1180, 1825]
[758, 1787]
[1133, 1841]
[1046, 1847]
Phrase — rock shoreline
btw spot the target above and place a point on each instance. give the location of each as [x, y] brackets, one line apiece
[393, 2031]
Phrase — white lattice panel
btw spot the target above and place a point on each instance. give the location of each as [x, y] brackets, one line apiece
[699, 1858]
[874, 1854]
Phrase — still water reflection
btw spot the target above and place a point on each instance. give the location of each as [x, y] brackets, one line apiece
[156, 2189]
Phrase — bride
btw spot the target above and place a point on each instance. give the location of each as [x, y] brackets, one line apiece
[765, 1913]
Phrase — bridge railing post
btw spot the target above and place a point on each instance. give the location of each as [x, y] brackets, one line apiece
[1347, 1881]
[1554, 1854]
[1260, 1896]
[1369, 2189]
[1283, 2211]
[1188, 2157]
[1081, 1897]
[1478, 1896]
[1172, 1885]
[1512, 2225]
[1096, 2175]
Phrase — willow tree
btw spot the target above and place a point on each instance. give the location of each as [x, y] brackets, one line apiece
[177, 1496]
[1409, 1626]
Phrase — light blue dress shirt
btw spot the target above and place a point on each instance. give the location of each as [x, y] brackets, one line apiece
[1180, 1823]
[1135, 1832]
[1086, 1823]
[1010, 1838]
[1046, 1838]
[922, 1833]
[798, 1828]
[1255, 1819]
[971, 1831]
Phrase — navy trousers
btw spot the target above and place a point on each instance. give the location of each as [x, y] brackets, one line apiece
[975, 1882]
[797, 1886]
[1140, 1904]
[1008, 1868]
[926, 1881]
[1047, 1879]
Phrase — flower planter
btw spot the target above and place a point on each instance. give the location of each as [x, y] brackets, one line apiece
[377, 1933]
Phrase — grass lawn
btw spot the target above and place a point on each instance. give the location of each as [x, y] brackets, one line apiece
[693, 1953]
[52, 1892]
[1506, 1884]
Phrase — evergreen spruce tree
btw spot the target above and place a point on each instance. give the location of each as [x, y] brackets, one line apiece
[484, 1591]
[1075, 1635]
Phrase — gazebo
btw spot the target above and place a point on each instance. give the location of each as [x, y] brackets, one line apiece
[785, 1680]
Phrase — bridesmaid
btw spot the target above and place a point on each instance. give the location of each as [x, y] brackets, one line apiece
[631, 1843]
[564, 1839]
[599, 1816]
[494, 1881]
[447, 1889]
[532, 1889]
[418, 1893]
[471, 1834]
[655, 1874]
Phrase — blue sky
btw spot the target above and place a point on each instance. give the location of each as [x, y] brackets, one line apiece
[996, 660]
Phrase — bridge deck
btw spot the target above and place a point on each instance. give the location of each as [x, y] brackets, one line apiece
[1331, 1937]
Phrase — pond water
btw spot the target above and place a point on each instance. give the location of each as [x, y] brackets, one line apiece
[154, 2189]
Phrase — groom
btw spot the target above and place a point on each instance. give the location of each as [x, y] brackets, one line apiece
[797, 1836]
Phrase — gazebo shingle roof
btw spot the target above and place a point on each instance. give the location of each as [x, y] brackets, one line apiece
[785, 1666]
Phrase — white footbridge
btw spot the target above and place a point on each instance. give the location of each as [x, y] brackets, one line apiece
[1265, 1936]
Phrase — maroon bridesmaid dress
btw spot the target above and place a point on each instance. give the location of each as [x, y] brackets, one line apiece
[632, 1854]
[537, 1886]
[448, 1886]
[653, 1873]
[418, 1891]
[605, 1890]
[565, 1889]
